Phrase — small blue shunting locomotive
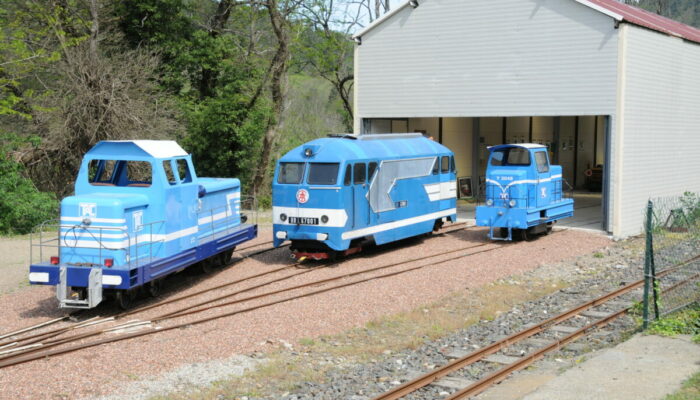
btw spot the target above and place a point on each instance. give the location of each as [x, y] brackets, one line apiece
[333, 194]
[524, 193]
[138, 214]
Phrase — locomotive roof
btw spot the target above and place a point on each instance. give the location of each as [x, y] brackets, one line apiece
[137, 148]
[350, 147]
[523, 145]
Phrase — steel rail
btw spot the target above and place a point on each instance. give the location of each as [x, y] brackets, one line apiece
[428, 378]
[42, 354]
[501, 374]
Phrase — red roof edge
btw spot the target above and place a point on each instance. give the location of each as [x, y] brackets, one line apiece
[638, 16]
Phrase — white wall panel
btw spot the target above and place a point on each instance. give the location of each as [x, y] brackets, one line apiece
[661, 123]
[457, 58]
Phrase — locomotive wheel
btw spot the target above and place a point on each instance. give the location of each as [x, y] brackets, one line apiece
[504, 232]
[125, 298]
[207, 266]
[229, 255]
[155, 287]
[548, 230]
[522, 234]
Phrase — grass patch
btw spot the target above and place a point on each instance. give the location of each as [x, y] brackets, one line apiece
[285, 370]
[684, 322]
[689, 391]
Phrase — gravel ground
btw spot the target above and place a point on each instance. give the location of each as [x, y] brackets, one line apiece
[107, 368]
[591, 275]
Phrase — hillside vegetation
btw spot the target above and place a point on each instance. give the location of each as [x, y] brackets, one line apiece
[236, 82]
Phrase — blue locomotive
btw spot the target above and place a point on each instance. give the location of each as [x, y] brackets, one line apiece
[333, 194]
[524, 193]
[138, 214]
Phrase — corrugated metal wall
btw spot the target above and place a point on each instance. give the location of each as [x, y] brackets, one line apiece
[661, 114]
[457, 58]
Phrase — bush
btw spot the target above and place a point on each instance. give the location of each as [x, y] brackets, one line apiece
[22, 206]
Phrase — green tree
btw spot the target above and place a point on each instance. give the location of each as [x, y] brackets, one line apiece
[22, 206]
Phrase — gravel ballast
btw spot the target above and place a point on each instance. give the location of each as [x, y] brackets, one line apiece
[105, 369]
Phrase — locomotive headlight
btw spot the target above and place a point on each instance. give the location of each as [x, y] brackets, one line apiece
[512, 203]
[489, 202]
[308, 152]
[87, 221]
[324, 219]
[283, 217]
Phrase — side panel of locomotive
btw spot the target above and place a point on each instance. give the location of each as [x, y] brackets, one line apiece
[332, 193]
[523, 192]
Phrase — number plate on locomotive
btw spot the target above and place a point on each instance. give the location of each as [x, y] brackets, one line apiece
[303, 221]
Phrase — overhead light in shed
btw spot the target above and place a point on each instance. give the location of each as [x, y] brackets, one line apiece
[413, 3]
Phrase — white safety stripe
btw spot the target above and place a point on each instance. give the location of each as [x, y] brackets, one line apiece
[41, 277]
[337, 218]
[503, 189]
[140, 239]
[101, 220]
[92, 234]
[441, 190]
[396, 224]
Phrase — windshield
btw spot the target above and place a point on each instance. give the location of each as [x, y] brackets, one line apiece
[323, 173]
[510, 156]
[119, 173]
[291, 173]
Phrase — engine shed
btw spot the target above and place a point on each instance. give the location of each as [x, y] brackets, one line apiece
[613, 91]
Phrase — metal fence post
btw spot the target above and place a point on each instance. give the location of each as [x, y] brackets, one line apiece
[647, 266]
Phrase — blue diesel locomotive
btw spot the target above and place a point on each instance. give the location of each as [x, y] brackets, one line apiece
[138, 214]
[524, 193]
[333, 194]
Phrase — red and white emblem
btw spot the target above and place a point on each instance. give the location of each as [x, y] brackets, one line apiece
[302, 196]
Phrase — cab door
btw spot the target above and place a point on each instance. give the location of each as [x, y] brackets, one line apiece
[545, 186]
[360, 202]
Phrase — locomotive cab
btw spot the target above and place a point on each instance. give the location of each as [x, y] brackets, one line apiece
[523, 192]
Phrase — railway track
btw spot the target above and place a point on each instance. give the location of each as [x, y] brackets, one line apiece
[500, 374]
[47, 348]
[6, 342]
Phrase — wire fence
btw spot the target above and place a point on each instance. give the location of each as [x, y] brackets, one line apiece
[672, 257]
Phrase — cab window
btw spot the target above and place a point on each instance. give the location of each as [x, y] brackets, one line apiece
[445, 166]
[436, 166]
[120, 173]
[170, 176]
[138, 173]
[372, 169]
[541, 160]
[359, 171]
[515, 156]
[291, 173]
[453, 167]
[101, 172]
[323, 173]
[183, 170]
[348, 176]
